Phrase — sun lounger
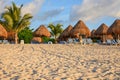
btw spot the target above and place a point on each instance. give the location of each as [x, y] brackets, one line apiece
[50, 42]
[0, 41]
[63, 42]
[35, 42]
[118, 41]
[89, 41]
[114, 42]
[84, 41]
[75, 41]
[108, 42]
[5, 42]
[70, 40]
[12, 42]
[99, 41]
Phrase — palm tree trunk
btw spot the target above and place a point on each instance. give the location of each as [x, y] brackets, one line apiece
[16, 38]
[103, 38]
[55, 40]
[80, 39]
[118, 36]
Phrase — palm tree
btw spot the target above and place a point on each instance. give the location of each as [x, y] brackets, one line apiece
[55, 30]
[13, 21]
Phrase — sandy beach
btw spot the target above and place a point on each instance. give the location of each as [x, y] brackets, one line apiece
[59, 62]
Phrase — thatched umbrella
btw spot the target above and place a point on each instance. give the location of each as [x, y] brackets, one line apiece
[11, 35]
[102, 31]
[3, 32]
[37, 39]
[42, 31]
[80, 29]
[115, 29]
[65, 34]
[109, 36]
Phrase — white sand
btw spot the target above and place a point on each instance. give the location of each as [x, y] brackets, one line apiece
[59, 62]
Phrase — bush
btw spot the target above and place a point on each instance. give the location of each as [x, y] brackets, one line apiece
[95, 39]
[52, 39]
[47, 39]
[26, 35]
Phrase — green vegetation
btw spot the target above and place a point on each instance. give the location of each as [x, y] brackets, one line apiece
[55, 30]
[13, 21]
[26, 34]
[95, 39]
[46, 39]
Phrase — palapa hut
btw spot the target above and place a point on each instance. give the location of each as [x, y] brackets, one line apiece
[3, 32]
[80, 29]
[114, 29]
[102, 32]
[41, 32]
[65, 34]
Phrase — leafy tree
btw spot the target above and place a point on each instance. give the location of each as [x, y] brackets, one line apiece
[26, 34]
[13, 21]
[55, 30]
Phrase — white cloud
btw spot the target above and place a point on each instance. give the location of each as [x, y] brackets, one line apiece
[1, 8]
[32, 7]
[3, 3]
[91, 10]
[51, 13]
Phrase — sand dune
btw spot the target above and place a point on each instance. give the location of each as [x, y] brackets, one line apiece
[59, 62]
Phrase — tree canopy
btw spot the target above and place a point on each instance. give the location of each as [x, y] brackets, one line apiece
[26, 34]
[13, 21]
[55, 30]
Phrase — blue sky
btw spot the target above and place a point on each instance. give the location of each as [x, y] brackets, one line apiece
[92, 12]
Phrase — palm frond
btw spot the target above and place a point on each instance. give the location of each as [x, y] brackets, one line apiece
[8, 21]
[27, 16]
[55, 29]
[12, 19]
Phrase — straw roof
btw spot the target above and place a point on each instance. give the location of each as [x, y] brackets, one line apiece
[42, 31]
[80, 28]
[66, 32]
[109, 37]
[102, 29]
[11, 35]
[37, 39]
[3, 32]
[115, 27]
